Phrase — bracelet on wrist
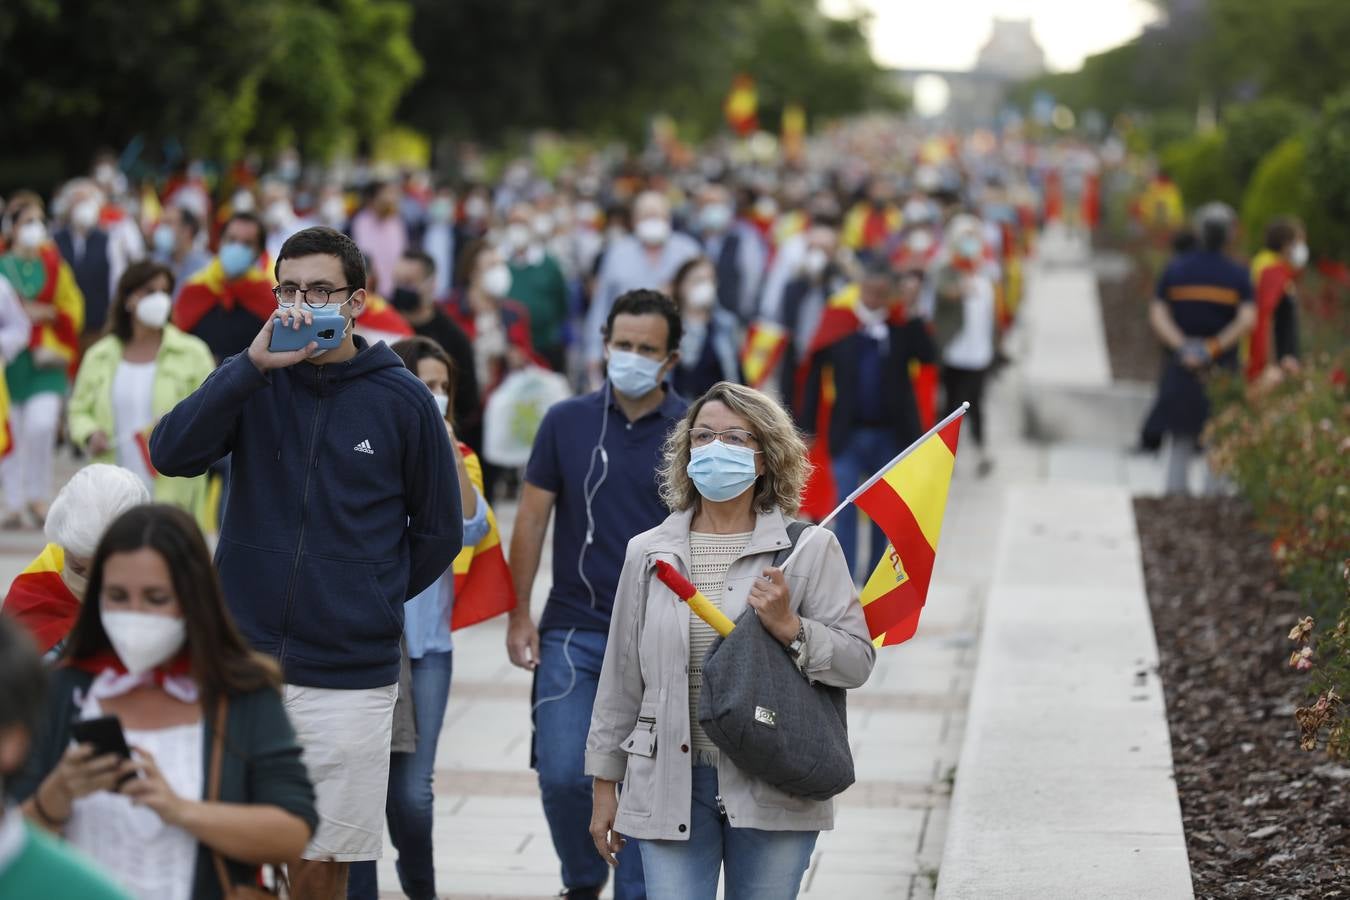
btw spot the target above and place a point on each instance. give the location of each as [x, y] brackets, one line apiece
[47, 817]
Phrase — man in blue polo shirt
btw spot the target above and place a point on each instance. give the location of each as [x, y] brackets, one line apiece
[595, 460]
[1201, 309]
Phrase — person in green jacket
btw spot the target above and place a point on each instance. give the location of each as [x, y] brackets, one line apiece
[32, 863]
[134, 374]
[537, 282]
[215, 786]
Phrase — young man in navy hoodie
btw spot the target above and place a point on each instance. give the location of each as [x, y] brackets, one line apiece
[343, 503]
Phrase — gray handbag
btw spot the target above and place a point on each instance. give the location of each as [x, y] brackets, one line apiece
[763, 713]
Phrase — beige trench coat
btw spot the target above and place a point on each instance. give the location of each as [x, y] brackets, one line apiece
[644, 684]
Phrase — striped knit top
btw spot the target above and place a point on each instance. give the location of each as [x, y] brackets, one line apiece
[711, 555]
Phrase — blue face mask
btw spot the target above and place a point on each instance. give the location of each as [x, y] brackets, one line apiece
[720, 472]
[632, 375]
[235, 259]
[163, 238]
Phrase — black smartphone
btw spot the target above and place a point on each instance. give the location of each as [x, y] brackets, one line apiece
[105, 734]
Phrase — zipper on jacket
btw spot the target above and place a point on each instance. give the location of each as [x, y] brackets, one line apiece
[304, 510]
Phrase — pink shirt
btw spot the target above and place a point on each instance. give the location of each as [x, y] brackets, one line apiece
[384, 241]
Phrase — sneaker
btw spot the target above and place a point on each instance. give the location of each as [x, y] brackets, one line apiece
[590, 893]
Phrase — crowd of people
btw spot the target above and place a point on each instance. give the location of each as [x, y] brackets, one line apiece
[746, 342]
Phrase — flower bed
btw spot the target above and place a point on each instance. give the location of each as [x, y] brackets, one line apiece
[1263, 818]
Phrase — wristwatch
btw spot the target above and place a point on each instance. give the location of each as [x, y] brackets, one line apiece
[798, 644]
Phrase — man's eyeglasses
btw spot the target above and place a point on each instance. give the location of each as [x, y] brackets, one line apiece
[288, 294]
[732, 437]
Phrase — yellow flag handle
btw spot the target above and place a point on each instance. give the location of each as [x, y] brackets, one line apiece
[701, 605]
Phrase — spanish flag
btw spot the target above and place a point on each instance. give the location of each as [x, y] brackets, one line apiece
[742, 106]
[379, 321]
[40, 601]
[59, 338]
[765, 342]
[838, 321]
[483, 587]
[908, 501]
[210, 288]
[6, 434]
[1271, 274]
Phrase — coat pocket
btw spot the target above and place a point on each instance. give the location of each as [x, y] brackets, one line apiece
[641, 779]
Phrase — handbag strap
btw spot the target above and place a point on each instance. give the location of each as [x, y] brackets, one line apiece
[794, 533]
[213, 784]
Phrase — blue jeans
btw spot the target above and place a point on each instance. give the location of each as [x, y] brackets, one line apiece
[861, 456]
[760, 865]
[564, 692]
[408, 804]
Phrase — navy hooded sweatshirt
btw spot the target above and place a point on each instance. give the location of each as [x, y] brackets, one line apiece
[343, 503]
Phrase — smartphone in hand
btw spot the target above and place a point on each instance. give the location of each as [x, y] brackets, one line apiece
[326, 330]
[105, 735]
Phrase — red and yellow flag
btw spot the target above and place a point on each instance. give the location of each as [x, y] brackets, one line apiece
[483, 587]
[379, 321]
[1271, 274]
[40, 601]
[764, 345]
[211, 287]
[908, 503]
[6, 434]
[742, 106]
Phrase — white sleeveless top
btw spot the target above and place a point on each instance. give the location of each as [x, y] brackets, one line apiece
[131, 844]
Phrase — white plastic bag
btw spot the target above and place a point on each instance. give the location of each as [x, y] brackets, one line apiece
[514, 411]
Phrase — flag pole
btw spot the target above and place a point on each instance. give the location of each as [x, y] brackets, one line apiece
[877, 476]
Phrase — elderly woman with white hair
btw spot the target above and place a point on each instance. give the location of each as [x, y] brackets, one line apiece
[733, 473]
[46, 597]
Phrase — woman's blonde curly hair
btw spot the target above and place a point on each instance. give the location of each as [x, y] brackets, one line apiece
[785, 465]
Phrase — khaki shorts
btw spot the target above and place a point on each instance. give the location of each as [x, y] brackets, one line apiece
[345, 737]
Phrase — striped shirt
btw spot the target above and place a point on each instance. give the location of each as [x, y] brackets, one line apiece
[711, 555]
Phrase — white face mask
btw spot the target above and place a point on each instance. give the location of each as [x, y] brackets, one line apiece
[518, 236]
[815, 262]
[144, 640]
[652, 231]
[1298, 255]
[152, 310]
[443, 404]
[497, 280]
[85, 215]
[242, 202]
[30, 235]
[701, 294]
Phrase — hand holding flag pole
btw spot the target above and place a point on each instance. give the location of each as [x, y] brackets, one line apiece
[881, 473]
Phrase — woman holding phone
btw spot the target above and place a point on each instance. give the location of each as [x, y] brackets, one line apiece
[197, 808]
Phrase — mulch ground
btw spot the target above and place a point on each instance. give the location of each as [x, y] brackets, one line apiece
[1131, 346]
[1263, 818]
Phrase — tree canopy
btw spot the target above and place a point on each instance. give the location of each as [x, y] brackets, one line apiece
[217, 77]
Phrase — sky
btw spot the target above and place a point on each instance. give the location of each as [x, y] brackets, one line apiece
[947, 34]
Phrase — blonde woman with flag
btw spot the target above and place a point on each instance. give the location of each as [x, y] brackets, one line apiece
[733, 475]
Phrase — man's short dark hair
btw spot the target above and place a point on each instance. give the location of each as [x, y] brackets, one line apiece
[190, 220]
[320, 240]
[423, 257]
[1282, 232]
[645, 302]
[23, 701]
[252, 218]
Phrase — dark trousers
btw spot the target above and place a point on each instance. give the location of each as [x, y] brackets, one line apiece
[966, 386]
